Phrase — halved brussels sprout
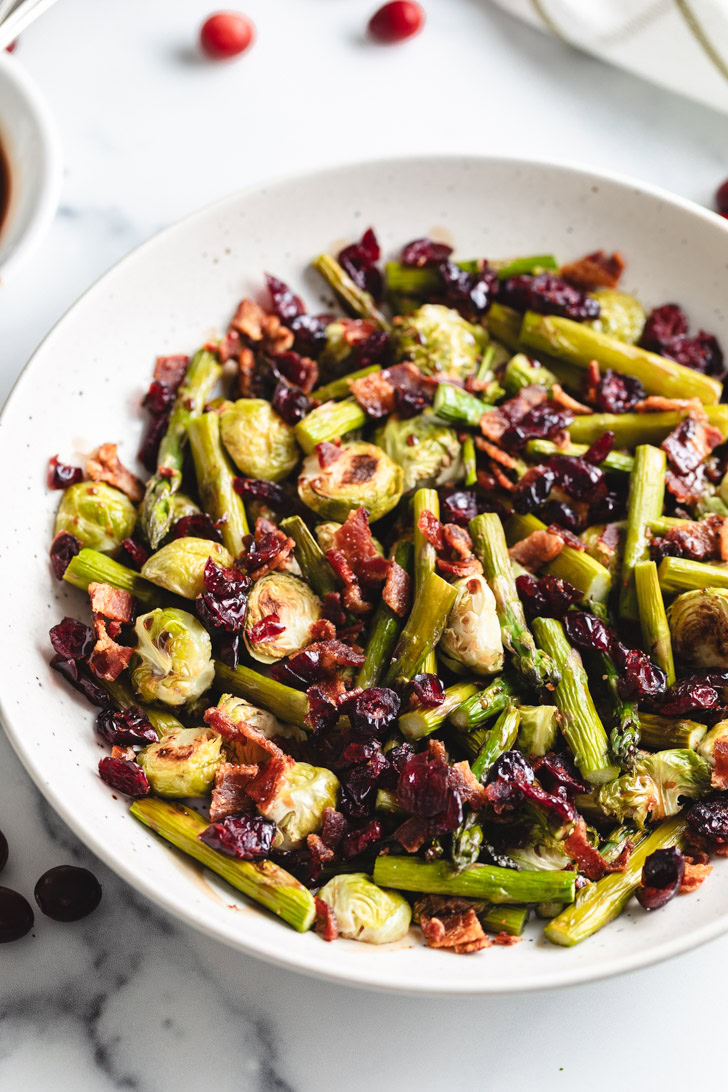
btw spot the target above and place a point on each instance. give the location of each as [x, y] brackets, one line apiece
[260, 442]
[295, 606]
[429, 452]
[653, 788]
[621, 315]
[241, 712]
[99, 515]
[362, 475]
[472, 637]
[180, 565]
[325, 536]
[699, 627]
[183, 763]
[364, 911]
[173, 659]
[298, 807]
[717, 734]
[440, 341]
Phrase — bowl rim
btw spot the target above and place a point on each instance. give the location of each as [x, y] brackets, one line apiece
[372, 976]
[50, 172]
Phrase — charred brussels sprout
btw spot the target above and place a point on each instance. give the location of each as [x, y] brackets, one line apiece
[653, 788]
[99, 515]
[183, 763]
[281, 610]
[298, 807]
[472, 636]
[361, 474]
[364, 911]
[261, 444]
[440, 341]
[241, 712]
[620, 316]
[173, 661]
[699, 627]
[180, 565]
[428, 452]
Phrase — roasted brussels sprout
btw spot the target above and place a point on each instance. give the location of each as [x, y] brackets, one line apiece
[699, 627]
[242, 712]
[183, 763]
[180, 565]
[173, 660]
[260, 442]
[99, 515]
[361, 475]
[364, 911]
[298, 807]
[428, 452]
[652, 789]
[472, 636]
[291, 602]
[620, 316]
[717, 734]
[339, 347]
[440, 341]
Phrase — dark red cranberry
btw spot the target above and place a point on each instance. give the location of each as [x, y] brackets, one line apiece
[81, 679]
[149, 447]
[546, 596]
[662, 875]
[286, 304]
[67, 893]
[270, 626]
[373, 711]
[60, 476]
[3, 851]
[540, 423]
[226, 34]
[558, 772]
[322, 712]
[359, 260]
[224, 601]
[721, 198]
[358, 841]
[588, 632]
[548, 295]
[133, 554]
[424, 789]
[359, 786]
[376, 349]
[64, 547]
[709, 818]
[662, 325]
[533, 489]
[580, 479]
[290, 403]
[124, 777]
[640, 677]
[511, 780]
[423, 252]
[159, 398]
[694, 694]
[458, 506]
[427, 690]
[16, 915]
[71, 639]
[599, 450]
[247, 837]
[702, 352]
[470, 293]
[299, 370]
[617, 393]
[301, 670]
[196, 525]
[125, 728]
[563, 516]
[310, 333]
[396, 21]
[228, 648]
[333, 827]
[272, 495]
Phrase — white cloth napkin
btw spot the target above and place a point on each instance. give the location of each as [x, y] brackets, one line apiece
[681, 44]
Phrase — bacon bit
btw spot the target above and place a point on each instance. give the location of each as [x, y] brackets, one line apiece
[719, 778]
[458, 540]
[700, 541]
[588, 858]
[352, 593]
[567, 537]
[124, 754]
[503, 480]
[354, 540]
[114, 604]
[537, 549]
[592, 380]
[723, 537]
[505, 940]
[694, 874]
[430, 526]
[375, 393]
[496, 453]
[246, 372]
[561, 398]
[260, 327]
[266, 786]
[229, 796]
[451, 923]
[105, 466]
[328, 453]
[263, 550]
[262, 748]
[597, 270]
[228, 348]
[466, 783]
[656, 403]
[322, 630]
[397, 592]
[493, 424]
[170, 370]
[691, 442]
[326, 925]
[108, 659]
[414, 832]
[468, 566]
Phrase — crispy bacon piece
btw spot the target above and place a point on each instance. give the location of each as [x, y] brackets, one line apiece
[561, 398]
[471, 790]
[124, 754]
[327, 453]
[657, 403]
[326, 925]
[537, 549]
[453, 545]
[414, 832]
[108, 659]
[397, 593]
[588, 858]
[695, 872]
[262, 749]
[261, 328]
[322, 630]
[451, 923]
[170, 370]
[352, 593]
[354, 540]
[495, 453]
[375, 393]
[719, 777]
[691, 442]
[705, 540]
[568, 537]
[114, 604]
[458, 540]
[270, 549]
[229, 796]
[432, 529]
[266, 786]
[597, 270]
[105, 466]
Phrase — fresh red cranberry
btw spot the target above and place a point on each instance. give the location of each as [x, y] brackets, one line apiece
[16, 915]
[67, 893]
[721, 198]
[226, 34]
[3, 851]
[247, 837]
[126, 777]
[396, 21]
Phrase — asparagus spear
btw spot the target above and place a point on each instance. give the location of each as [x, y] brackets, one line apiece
[215, 478]
[661, 733]
[202, 374]
[422, 722]
[328, 422]
[424, 500]
[90, 566]
[625, 735]
[604, 900]
[580, 344]
[679, 574]
[522, 372]
[423, 628]
[315, 566]
[289, 705]
[653, 618]
[339, 388]
[505, 919]
[385, 629]
[505, 324]
[615, 460]
[419, 281]
[536, 666]
[478, 881]
[646, 497]
[264, 882]
[535, 263]
[475, 710]
[581, 726]
[355, 299]
[457, 407]
[631, 429]
[469, 461]
[577, 566]
[500, 738]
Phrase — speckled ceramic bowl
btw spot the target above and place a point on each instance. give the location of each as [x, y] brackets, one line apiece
[83, 387]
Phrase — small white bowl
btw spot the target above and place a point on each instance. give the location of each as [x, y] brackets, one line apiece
[32, 149]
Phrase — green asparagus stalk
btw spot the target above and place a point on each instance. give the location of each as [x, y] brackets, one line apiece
[505, 919]
[604, 900]
[355, 299]
[500, 738]
[329, 421]
[679, 574]
[505, 324]
[156, 513]
[469, 461]
[339, 388]
[661, 733]
[581, 726]
[264, 882]
[419, 723]
[215, 477]
[124, 697]
[385, 629]
[424, 500]
[423, 628]
[535, 263]
[456, 406]
[522, 372]
[479, 881]
[580, 344]
[538, 729]
[646, 497]
[624, 737]
[90, 566]
[577, 566]
[631, 429]
[419, 281]
[467, 842]
[315, 566]
[289, 705]
[475, 710]
[615, 460]
[536, 666]
[653, 618]
[485, 368]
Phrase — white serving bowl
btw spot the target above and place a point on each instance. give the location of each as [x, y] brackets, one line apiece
[83, 386]
[29, 138]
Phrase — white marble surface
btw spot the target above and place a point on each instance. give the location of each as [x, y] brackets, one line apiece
[129, 998]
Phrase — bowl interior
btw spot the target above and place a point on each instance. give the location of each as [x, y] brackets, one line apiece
[83, 387]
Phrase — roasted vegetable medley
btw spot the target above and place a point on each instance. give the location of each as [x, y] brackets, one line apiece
[424, 607]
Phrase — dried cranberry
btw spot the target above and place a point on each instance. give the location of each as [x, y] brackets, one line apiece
[427, 690]
[511, 779]
[286, 304]
[301, 670]
[375, 349]
[357, 841]
[4, 852]
[67, 893]
[81, 680]
[16, 915]
[358, 260]
[662, 874]
[696, 693]
[310, 333]
[299, 370]
[709, 818]
[228, 647]
[425, 790]
[540, 423]
[641, 678]
[533, 489]
[548, 295]
[196, 525]
[396, 21]
[272, 495]
[126, 728]
[133, 554]
[546, 596]
[617, 393]
[662, 325]
[64, 547]
[226, 34]
[471, 293]
[224, 601]
[149, 447]
[247, 837]
[580, 479]
[588, 632]
[458, 506]
[423, 252]
[334, 826]
[373, 711]
[290, 403]
[559, 772]
[158, 399]
[72, 640]
[60, 476]
[599, 450]
[563, 516]
[270, 626]
[721, 198]
[702, 352]
[359, 786]
[125, 777]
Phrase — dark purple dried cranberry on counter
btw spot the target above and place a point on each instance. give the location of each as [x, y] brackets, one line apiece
[60, 475]
[617, 393]
[4, 852]
[67, 893]
[64, 547]
[247, 837]
[196, 525]
[80, 679]
[358, 841]
[286, 304]
[422, 252]
[599, 450]
[224, 601]
[543, 422]
[427, 690]
[373, 711]
[359, 261]
[72, 640]
[290, 403]
[545, 596]
[471, 293]
[124, 777]
[709, 818]
[133, 554]
[16, 915]
[548, 295]
[458, 506]
[125, 728]
[662, 875]
[533, 488]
